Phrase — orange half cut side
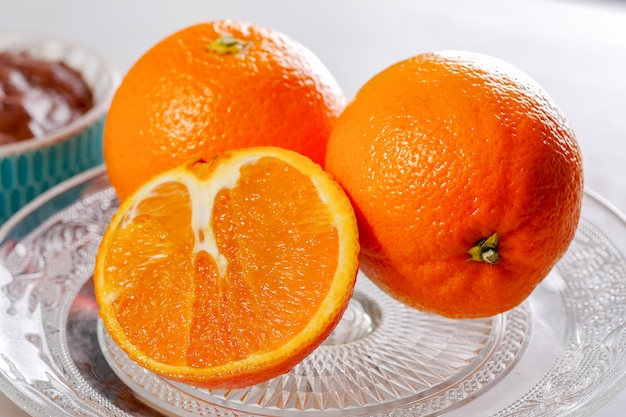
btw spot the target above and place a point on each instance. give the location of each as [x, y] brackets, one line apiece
[226, 273]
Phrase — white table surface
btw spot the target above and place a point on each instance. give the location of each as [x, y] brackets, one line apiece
[575, 49]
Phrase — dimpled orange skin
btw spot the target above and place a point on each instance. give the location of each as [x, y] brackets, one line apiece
[182, 101]
[443, 150]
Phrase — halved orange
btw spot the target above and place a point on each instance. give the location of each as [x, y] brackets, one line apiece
[226, 273]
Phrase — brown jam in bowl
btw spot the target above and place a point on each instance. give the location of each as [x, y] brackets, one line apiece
[38, 97]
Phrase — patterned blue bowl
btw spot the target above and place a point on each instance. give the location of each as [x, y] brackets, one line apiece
[30, 167]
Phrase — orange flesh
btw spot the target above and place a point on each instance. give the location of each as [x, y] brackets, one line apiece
[271, 240]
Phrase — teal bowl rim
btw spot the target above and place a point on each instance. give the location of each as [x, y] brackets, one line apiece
[23, 42]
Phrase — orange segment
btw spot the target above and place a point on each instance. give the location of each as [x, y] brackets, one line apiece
[227, 273]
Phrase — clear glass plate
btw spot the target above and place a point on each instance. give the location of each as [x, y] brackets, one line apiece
[560, 353]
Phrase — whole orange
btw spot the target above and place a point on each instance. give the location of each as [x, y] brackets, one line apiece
[466, 178]
[212, 87]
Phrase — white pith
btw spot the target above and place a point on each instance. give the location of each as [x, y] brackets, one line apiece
[202, 193]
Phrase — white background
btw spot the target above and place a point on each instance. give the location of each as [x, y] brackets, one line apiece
[575, 49]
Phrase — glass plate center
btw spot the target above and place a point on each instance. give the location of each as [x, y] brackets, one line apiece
[381, 356]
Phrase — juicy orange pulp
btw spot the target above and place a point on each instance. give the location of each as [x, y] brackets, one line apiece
[226, 273]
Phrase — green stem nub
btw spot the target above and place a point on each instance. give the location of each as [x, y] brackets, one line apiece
[486, 250]
[227, 44]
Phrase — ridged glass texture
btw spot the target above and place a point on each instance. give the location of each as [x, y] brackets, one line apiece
[563, 352]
